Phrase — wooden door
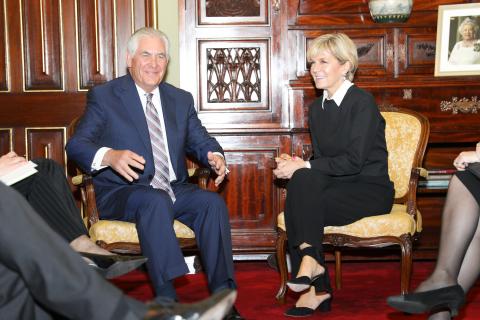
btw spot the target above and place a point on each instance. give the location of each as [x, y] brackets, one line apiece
[232, 61]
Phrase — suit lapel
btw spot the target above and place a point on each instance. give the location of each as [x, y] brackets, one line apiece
[131, 101]
[170, 119]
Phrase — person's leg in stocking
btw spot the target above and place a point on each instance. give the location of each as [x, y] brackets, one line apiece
[458, 257]
[461, 206]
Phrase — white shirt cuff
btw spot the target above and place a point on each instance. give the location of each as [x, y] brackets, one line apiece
[97, 160]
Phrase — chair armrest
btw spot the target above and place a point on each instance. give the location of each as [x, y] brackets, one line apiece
[78, 180]
[85, 183]
[422, 172]
[201, 175]
[411, 200]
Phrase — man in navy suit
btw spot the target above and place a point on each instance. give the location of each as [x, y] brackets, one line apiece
[114, 142]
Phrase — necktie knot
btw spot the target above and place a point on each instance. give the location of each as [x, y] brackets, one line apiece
[149, 96]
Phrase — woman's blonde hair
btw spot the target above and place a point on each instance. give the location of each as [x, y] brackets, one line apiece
[340, 46]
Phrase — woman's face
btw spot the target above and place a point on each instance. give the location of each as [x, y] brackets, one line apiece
[468, 32]
[327, 72]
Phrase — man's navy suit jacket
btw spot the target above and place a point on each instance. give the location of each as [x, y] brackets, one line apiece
[114, 118]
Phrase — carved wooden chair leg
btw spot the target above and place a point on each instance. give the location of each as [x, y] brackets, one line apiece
[282, 265]
[338, 269]
[406, 263]
[102, 244]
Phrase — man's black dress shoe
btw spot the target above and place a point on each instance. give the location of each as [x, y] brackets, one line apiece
[233, 315]
[111, 266]
[451, 297]
[212, 308]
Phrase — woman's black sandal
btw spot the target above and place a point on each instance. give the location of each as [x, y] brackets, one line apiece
[302, 283]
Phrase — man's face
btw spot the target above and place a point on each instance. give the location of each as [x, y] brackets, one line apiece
[149, 63]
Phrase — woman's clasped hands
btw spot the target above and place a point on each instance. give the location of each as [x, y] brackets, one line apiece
[287, 165]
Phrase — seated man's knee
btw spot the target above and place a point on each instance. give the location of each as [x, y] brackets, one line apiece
[153, 203]
[214, 201]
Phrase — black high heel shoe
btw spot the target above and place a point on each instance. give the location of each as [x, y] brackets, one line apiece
[299, 312]
[321, 284]
[302, 283]
[451, 297]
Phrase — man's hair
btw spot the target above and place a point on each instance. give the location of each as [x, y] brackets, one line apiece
[340, 46]
[132, 43]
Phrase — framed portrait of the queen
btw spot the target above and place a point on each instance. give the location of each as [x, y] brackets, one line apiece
[458, 40]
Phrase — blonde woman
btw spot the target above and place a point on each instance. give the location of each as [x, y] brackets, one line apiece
[347, 178]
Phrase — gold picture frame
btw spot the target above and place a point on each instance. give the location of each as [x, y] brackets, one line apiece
[452, 57]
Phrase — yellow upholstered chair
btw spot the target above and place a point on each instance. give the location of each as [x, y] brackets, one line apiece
[406, 136]
[120, 236]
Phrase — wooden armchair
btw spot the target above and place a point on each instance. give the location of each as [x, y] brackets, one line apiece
[121, 236]
[406, 135]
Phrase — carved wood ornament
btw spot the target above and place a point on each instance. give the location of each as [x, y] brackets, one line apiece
[464, 105]
[233, 75]
[232, 8]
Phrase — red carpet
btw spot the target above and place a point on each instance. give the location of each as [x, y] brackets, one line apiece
[362, 297]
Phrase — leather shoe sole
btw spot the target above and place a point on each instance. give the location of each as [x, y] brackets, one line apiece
[111, 266]
[212, 308]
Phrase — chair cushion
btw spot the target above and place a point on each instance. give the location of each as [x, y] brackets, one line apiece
[121, 231]
[395, 223]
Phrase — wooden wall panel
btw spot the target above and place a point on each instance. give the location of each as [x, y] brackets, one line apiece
[4, 63]
[252, 197]
[96, 25]
[46, 143]
[123, 32]
[416, 51]
[375, 50]
[42, 45]
[232, 12]
[39, 103]
[6, 140]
